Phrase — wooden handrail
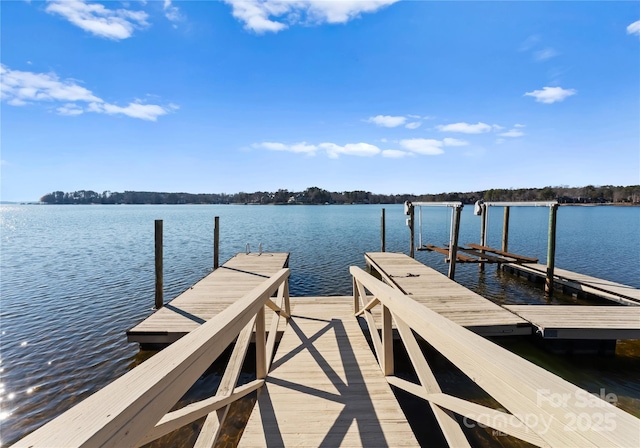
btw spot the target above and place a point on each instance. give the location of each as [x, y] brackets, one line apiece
[125, 411]
[554, 412]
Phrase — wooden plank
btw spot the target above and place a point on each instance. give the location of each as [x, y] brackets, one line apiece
[448, 424]
[120, 414]
[521, 387]
[325, 387]
[441, 250]
[605, 289]
[213, 423]
[446, 297]
[503, 253]
[207, 298]
[582, 322]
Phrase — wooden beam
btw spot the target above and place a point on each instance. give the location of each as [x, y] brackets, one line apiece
[192, 412]
[505, 230]
[520, 386]
[450, 428]
[453, 247]
[159, 297]
[551, 250]
[503, 253]
[124, 411]
[387, 342]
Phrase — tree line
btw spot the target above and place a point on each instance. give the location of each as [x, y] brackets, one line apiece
[590, 194]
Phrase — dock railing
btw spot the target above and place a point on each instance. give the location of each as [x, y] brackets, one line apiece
[134, 409]
[539, 407]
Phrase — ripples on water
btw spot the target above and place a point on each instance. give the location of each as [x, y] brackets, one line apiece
[75, 278]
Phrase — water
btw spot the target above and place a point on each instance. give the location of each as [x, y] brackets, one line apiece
[75, 278]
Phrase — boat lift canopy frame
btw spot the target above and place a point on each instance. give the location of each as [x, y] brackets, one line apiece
[484, 212]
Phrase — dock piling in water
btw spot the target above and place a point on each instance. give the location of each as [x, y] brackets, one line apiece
[216, 242]
[159, 298]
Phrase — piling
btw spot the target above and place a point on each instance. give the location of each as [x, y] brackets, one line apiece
[382, 233]
[216, 242]
[505, 230]
[453, 246]
[412, 230]
[159, 300]
[483, 231]
[551, 250]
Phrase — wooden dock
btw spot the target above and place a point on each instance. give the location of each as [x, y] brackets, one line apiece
[581, 322]
[207, 298]
[325, 387]
[572, 282]
[446, 297]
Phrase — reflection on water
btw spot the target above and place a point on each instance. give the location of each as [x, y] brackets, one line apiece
[75, 278]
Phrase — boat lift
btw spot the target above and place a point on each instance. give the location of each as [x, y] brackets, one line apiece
[481, 253]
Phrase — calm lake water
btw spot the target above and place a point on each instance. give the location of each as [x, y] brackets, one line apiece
[75, 278]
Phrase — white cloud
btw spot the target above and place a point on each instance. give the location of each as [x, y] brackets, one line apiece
[550, 95]
[333, 150]
[529, 43]
[454, 142]
[171, 12]
[518, 125]
[512, 133]
[19, 88]
[113, 24]
[424, 146]
[301, 147]
[354, 149]
[634, 28]
[149, 112]
[500, 141]
[395, 153]
[543, 55]
[70, 109]
[465, 128]
[417, 117]
[413, 125]
[387, 121]
[268, 15]
[497, 127]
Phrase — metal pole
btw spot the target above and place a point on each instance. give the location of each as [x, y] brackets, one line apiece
[551, 250]
[216, 243]
[483, 232]
[382, 232]
[158, 242]
[411, 228]
[453, 245]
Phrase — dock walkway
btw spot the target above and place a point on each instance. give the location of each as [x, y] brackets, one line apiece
[207, 298]
[605, 289]
[325, 387]
[446, 297]
[582, 322]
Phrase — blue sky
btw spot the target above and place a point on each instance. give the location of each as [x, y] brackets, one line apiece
[385, 96]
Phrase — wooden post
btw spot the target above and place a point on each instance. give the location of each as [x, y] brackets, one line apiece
[382, 233]
[158, 240]
[356, 297]
[387, 342]
[483, 232]
[505, 230]
[261, 346]
[411, 229]
[551, 250]
[216, 243]
[453, 246]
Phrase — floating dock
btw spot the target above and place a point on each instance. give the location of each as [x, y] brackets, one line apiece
[444, 296]
[581, 322]
[207, 298]
[579, 284]
[324, 386]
